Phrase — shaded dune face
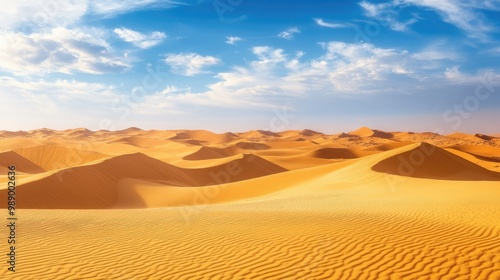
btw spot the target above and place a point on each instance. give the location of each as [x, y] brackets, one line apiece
[97, 186]
[206, 152]
[22, 164]
[52, 157]
[334, 153]
[431, 162]
[367, 132]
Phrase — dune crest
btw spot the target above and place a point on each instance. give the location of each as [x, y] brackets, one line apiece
[431, 162]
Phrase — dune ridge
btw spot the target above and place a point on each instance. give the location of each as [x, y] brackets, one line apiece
[428, 161]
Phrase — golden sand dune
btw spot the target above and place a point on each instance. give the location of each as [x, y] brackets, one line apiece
[387, 147]
[98, 185]
[367, 132]
[23, 164]
[485, 137]
[9, 134]
[199, 137]
[258, 134]
[428, 161]
[478, 150]
[8, 144]
[335, 153]
[206, 152]
[51, 157]
[78, 132]
[192, 204]
[142, 142]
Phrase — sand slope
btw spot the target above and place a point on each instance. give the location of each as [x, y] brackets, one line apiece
[97, 185]
[428, 161]
[51, 157]
[22, 164]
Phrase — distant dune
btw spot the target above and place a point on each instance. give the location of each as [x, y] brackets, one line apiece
[367, 132]
[428, 161]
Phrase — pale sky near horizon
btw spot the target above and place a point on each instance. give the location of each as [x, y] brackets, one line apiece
[237, 65]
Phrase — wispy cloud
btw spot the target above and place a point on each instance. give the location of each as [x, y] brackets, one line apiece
[34, 15]
[321, 22]
[387, 13]
[459, 14]
[231, 40]
[140, 40]
[113, 7]
[464, 15]
[190, 64]
[289, 33]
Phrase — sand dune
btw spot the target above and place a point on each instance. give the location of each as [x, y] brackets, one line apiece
[8, 144]
[22, 164]
[142, 142]
[51, 157]
[10, 134]
[205, 153]
[485, 137]
[298, 204]
[367, 132]
[96, 186]
[335, 153]
[428, 161]
[203, 137]
[78, 132]
[478, 150]
[387, 147]
[258, 134]
[252, 146]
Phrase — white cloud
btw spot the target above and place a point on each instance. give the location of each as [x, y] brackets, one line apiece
[60, 96]
[34, 15]
[386, 13]
[437, 51]
[59, 50]
[289, 33]
[485, 77]
[275, 77]
[112, 7]
[190, 64]
[231, 40]
[321, 22]
[140, 40]
[462, 14]
[458, 14]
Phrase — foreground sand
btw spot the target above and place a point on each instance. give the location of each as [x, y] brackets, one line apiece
[296, 205]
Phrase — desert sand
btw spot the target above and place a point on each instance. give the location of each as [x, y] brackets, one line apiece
[193, 204]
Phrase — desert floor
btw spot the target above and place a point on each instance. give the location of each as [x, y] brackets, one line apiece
[184, 204]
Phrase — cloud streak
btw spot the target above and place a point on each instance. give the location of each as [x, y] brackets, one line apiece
[140, 40]
[190, 64]
[321, 22]
[465, 15]
[289, 33]
[232, 40]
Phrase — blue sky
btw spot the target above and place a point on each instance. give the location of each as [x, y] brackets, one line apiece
[236, 65]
